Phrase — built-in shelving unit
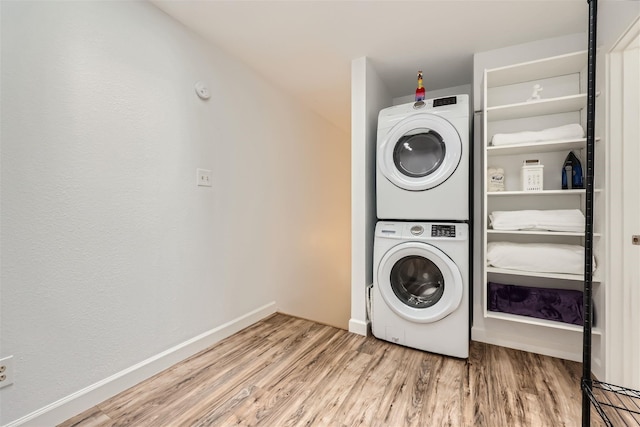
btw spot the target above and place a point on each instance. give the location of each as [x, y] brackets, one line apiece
[506, 109]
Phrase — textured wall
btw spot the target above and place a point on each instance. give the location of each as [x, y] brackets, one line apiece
[110, 253]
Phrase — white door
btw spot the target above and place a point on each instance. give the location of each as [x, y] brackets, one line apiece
[419, 282]
[623, 287]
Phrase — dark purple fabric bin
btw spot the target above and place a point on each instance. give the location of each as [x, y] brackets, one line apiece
[560, 305]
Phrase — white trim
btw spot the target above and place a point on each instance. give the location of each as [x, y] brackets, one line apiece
[360, 202]
[84, 399]
[357, 326]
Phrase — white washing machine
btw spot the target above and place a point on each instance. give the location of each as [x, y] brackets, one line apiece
[423, 160]
[420, 295]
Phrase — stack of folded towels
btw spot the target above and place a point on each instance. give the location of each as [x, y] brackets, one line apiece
[538, 257]
[571, 220]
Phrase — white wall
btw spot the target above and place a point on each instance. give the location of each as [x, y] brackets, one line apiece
[368, 96]
[110, 253]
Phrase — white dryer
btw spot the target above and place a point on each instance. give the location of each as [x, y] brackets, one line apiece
[423, 160]
[420, 295]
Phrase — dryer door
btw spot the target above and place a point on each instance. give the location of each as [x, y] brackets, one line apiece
[419, 282]
[420, 152]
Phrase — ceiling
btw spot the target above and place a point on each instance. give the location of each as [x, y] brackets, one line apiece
[305, 47]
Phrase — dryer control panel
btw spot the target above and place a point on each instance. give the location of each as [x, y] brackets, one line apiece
[450, 100]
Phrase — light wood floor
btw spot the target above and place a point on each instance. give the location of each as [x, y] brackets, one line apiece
[285, 371]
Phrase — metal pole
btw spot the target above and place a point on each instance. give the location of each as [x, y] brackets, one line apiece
[588, 246]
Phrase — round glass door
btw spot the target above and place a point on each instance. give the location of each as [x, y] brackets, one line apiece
[420, 152]
[419, 282]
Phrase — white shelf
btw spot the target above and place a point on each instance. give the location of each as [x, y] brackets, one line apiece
[541, 107]
[538, 322]
[574, 277]
[537, 70]
[538, 147]
[539, 233]
[539, 193]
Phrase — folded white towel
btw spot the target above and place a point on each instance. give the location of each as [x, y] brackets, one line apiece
[571, 220]
[551, 134]
[537, 257]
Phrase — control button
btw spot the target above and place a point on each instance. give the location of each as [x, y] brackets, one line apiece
[417, 230]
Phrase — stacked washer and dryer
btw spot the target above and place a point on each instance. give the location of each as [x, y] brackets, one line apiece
[420, 295]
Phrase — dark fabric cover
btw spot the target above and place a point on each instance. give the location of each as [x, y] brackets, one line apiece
[561, 305]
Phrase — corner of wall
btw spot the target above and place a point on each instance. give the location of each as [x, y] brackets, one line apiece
[368, 96]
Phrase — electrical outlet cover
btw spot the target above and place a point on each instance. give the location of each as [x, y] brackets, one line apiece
[6, 371]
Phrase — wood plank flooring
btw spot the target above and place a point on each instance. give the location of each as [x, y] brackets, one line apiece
[285, 371]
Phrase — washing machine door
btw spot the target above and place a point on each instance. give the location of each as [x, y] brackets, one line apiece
[419, 282]
[420, 152]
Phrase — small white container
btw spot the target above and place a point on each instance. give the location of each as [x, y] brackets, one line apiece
[495, 179]
[532, 175]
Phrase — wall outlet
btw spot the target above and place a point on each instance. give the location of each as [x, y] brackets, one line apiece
[203, 178]
[6, 371]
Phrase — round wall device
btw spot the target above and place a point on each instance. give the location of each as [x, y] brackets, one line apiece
[202, 90]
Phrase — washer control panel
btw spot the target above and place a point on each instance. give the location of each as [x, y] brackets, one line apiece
[438, 230]
[421, 231]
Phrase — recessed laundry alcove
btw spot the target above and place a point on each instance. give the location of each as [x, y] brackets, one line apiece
[370, 94]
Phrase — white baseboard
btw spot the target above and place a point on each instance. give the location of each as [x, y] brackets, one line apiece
[90, 396]
[358, 327]
[482, 335]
